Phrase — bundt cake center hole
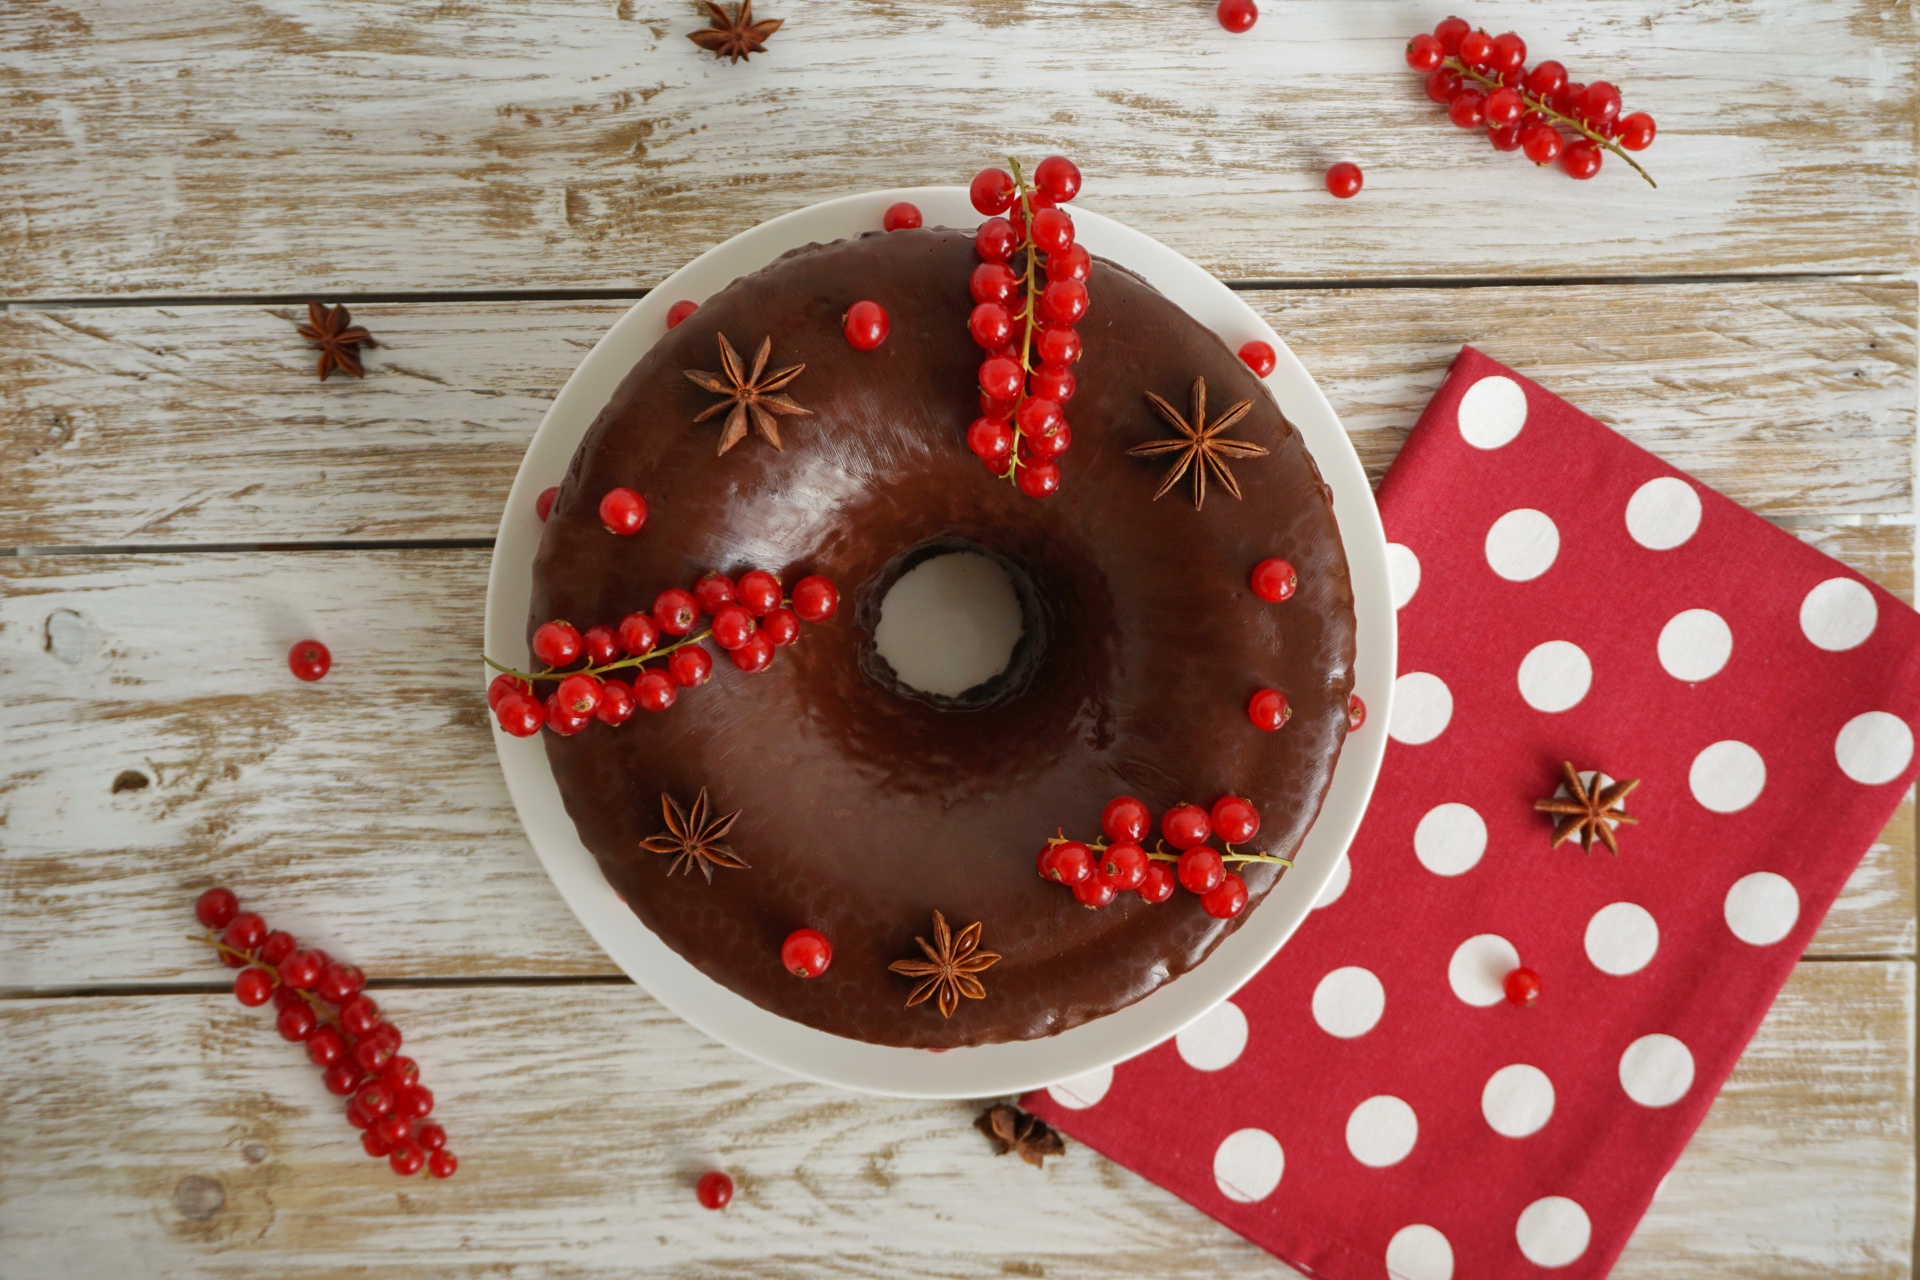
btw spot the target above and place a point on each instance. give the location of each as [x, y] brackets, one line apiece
[954, 626]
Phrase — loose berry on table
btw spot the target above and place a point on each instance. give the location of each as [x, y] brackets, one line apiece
[1259, 357]
[1057, 346]
[1234, 819]
[758, 592]
[1095, 891]
[521, 715]
[1227, 899]
[1158, 884]
[1186, 826]
[675, 612]
[1344, 180]
[680, 311]
[1067, 863]
[655, 691]
[1424, 52]
[638, 634]
[992, 191]
[252, 987]
[815, 598]
[1057, 178]
[1126, 818]
[901, 216]
[617, 703]
[543, 505]
[245, 931]
[216, 908]
[622, 512]
[755, 655]
[1039, 479]
[1522, 987]
[996, 240]
[309, 660]
[556, 643]
[781, 627]
[715, 1188]
[1124, 865]
[1201, 870]
[1237, 15]
[1268, 710]
[580, 694]
[806, 953]
[690, 668]
[1274, 580]
[866, 325]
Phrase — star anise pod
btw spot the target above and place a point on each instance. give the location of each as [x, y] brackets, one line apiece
[949, 969]
[339, 339]
[1011, 1129]
[1588, 812]
[748, 394]
[735, 37]
[693, 837]
[1198, 444]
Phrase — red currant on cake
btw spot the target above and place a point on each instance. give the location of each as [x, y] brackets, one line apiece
[992, 191]
[996, 240]
[993, 282]
[564, 720]
[781, 627]
[806, 953]
[1274, 580]
[1039, 479]
[1095, 891]
[676, 611]
[1259, 357]
[732, 627]
[755, 655]
[1124, 866]
[580, 694]
[1234, 820]
[1201, 870]
[1126, 818]
[1057, 178]
[1053, 231]
[1236, 15]
[556, 643]
[638, 634]
[867, 325]
[691, 667]
[758, 592]
[680, 311]
[616, 703]
[1522, 987]
[1058, 347]
[714, 1189]
[216, 908]
[1074, 263]
[623, 512]
[1226, 899]
[1185, 826]
[600, 645]
[1344, 180]
[901, 216]
[815, 598]
[309, 660]
[543, 505]
[991, 325]
[654, 691]
[1064, 301]
[1053, 384]
[1268, 709]
[1068, 863]
[713, 592]
[1158, 884]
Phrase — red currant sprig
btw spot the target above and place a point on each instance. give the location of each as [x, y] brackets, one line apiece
[1483, 80]
[1099, 871]
[323, 1005]
[1022, 428]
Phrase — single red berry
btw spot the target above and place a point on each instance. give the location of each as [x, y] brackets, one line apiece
[866, 325]
[1467, 108]
[326, 1046]
[1124, 865]
[716, 1188]
[1185, 826]
[680, 311]
[392, 1128]
[284, 995]
[442, 1164]
[1001, 409]
[1522, 987]
[1201, 869]
[1581, 159]
[676, 612]
[1356, 713]
[638, 634]
[815, 598]
[1503, 107]
[903, 216]
[341, 1078]
[556, 643]
[371, 1053]
[1226, 899]
[1039, 479]
[1057, 178]
[1052, 384]
[580, 694]
[1542, 144]
[1344, 179]
[781, 627]
[252, 987]
[1442, 84]
[1057, 346]
[373, 1144]
[1074, 263]
[1546, 79]
[431, 1137]
[993, 282]
[1237, 15]
[245, 931]
[991, 440]
[543, 505]
[297, 1022]
[1040, 417]
[1126, 819]
[755, 655]
[356, 1117]
[1506, 138]
[1268, 709]
[1053, 232]
[713, 592]
[806, 953]
[654, 691]
[1064, 301]
[564, 720]
[407, 1159]
[1017, 215]
[1274, 580]
[400, 1073]
[1095, 891]
[616, 703]
[521, 715]
[600, 645]
[732, 627]
[359, 1015]
[990, 325]
[300, 970]
[758, 592]
[623, 512]
[1234, 819]
[992, 191]
[414, 1101]
[1566, 99]
[1159, 882]
[690, 667]
[309, 660]
[1424, 52]
[216, 908]
[1509, 53]
[387, 1034]
[503, 685]
[996, 240]
[1449, 33]
[1636, 131]
[1068, 862]
[1600, 103]
[1476, 50]
[1259, 357]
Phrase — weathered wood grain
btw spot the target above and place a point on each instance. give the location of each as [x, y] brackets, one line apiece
[202, 147]
[178, 426]
[190, 1141]
[368, 809]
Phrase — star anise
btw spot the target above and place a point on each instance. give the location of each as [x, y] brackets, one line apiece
[949, 967]
[1198, 444]
[1588, 812]
[748, 395]
[1011, 1129]
[339, 338]
[693, 837]
[735, 37]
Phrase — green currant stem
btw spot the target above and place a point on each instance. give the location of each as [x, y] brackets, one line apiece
[658, 651]
[319, 1006]
[1536, 104]
[1032, 282]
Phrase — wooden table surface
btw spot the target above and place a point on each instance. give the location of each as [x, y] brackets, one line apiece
[489, 183]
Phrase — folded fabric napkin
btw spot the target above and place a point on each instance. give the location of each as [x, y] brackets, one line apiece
[1371, 1105]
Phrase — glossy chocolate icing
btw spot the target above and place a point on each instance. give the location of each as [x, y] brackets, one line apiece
[862, 810]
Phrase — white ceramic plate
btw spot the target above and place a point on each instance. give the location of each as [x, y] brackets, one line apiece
[984, 1070]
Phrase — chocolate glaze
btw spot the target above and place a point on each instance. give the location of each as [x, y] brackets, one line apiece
[864, 810]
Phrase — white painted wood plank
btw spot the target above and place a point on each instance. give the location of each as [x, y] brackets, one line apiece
[583, 1114]
[368, 809]
[147, 426]
[197, 146]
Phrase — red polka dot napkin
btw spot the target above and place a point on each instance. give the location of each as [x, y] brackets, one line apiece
[1371, 1105]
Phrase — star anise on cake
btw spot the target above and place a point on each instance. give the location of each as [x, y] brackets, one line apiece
[338, 337]
[1589, 812]
[948, 971]
[735, 37]
[693, 837]
[1198, 445]
[1011, 1129]
[750, 394]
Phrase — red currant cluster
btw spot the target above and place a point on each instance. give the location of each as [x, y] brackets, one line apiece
[323, 1005]
[1025, 328]
[1483, 81]
[748, 619]
[1098, 872]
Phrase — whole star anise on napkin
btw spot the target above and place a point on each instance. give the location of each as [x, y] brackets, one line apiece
[1588, 812]
[338, 337]
[1011, 1129]
[749, 394]
[735, 37]
[1198, 444]
[693, 838]
[949, 969]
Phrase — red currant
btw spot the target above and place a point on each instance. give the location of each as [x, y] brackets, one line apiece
[781, 627]
[1274, 580]
[1509, 53]
[1124, 866]
[1237, 15]
[442, 1164]
[680, 311]
[1185, 826]
[431, 1137]
[754, 655]
[1546, 79]
[342, 1078]
[991, 440]
[1503, 107]
[1201, 870]
[373, 1144]
[359, 1015]
[654, 691]
[1476, 50]
[1074, 263]
[616, 703]
[392, 1128]
[867, 325]
[1064, 301]
[691, 667]
[1057, 178]
[758, 592]
[996, 240]
[300, 970]
[1356, 713]
[284, 995]
[1424, 52]
[902, 216]
[1506, 138]
[815, 598]
[713, 592]
[1052, 232]
[1566, 99]
[600, 645]
[1522, 987]
[1039, 479]
[1600, 103]
[252, 987]
[521, 714]
[992, 408]
[326, 1046]
[216, 908]
[556, 643]
[1467, 109]
[1068, 863]
[356, 1117]
[1542, 144]
[992, 191]
[580, 694]
[562, 719]
[1040, 417]
[732, 627]
[1052, 384]
[309, 660]
[806, 953]
[1344, 179]
[1095, 891]
[1259, 357]
[990, 325]
[1268, 709]
[297, 1022]
[1226, 899]
[993, 282]
[1581, 159]
[715, 1189]
[1126, 819]
[371, 1053]
[400, 1073]
[1449, 33]
[1442, 84]
[1058, 346]
[1159, 882]
[675, 611]
[1636, 131]
[503, 685]
[638, 634]
[1000, 377]
[415, 1101]
[543, 505]
[245, 931]
[623, 512]
[1234, 820]
[407, 1159]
